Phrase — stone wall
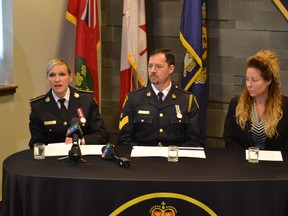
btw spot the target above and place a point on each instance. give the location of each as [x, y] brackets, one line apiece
[236, 30]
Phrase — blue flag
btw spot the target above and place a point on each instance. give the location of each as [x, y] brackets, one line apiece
[193, 35]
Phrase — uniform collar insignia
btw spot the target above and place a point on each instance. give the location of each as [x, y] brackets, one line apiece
[47, 99]
[148, 94]
[76, 95]
[173, 96]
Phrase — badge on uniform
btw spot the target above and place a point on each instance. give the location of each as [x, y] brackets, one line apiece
[50, 122]
[76, 95]
[178, 111]
[145, 112]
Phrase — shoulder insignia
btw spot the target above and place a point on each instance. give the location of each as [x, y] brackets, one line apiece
[37, 98]
[182, 90]
[139, 89]
[85, 91]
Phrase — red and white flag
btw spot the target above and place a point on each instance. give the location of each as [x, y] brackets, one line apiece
[133, 69]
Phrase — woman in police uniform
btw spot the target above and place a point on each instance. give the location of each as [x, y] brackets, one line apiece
[49, 120]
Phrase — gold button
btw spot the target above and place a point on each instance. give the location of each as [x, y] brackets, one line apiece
[161, 114]
[65, 123]
[161, 130]
[159, 144]
[180, 121]
[142, 120]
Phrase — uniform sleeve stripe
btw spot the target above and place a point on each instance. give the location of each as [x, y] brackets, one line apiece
[123, 122]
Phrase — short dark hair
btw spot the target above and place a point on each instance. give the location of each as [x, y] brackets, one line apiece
[170, 58]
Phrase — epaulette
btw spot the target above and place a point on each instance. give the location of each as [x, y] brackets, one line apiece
[182, 90]
[85, 91]
[138, 90]
[37, 98]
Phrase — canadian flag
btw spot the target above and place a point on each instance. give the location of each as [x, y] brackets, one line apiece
[133, 68]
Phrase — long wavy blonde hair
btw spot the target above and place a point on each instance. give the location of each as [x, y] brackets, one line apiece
[267, 62]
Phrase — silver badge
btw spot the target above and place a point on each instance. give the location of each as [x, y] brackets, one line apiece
[179, 115]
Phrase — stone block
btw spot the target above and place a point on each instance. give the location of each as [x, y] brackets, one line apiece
[111, 50]
[217, 10]
[111, 34]
[215, 122]
[239, 11]
[220, 92]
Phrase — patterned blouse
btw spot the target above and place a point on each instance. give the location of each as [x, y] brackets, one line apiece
[257, 129]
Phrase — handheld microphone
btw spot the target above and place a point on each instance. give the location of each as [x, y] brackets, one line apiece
[76, 133]
[109, 152]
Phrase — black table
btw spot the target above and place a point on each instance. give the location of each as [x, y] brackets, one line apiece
[223, 184]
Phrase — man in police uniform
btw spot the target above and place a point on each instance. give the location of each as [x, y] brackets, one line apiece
[151, 119]
[49, 119]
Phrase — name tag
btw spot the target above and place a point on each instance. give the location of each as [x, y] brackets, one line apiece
[145, 112]
[50, 122]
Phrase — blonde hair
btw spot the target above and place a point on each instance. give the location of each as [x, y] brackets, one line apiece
[268, 64]
[56, 62]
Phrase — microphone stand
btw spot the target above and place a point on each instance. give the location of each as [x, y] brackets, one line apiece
[75, 152]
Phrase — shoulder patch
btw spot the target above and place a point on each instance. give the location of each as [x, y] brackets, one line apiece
[37, 98]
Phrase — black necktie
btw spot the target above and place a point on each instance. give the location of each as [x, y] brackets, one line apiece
[62, 106]
[160, 96]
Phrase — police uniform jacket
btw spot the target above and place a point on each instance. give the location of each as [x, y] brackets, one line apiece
[147, 121]
[235, 137]
[48, 125]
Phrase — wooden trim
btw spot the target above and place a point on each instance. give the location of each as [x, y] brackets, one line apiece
[7, 89]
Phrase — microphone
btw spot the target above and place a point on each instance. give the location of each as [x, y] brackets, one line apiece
[109, 152]
[76, 133]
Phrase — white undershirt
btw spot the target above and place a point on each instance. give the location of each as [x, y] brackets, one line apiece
[67, 97]
[165, 91]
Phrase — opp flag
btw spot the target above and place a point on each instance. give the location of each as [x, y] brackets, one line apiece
[84, 14]
[193, 35]
[133, 68]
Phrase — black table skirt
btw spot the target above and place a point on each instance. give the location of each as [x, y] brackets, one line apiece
[223, 184]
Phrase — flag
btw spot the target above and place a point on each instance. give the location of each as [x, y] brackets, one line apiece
[84, 14]
[283, 7]
[193, 36]
[133, 68]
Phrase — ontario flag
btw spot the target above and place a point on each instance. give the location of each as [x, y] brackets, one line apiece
[133, 68]
[193, 35]
[84, 14]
